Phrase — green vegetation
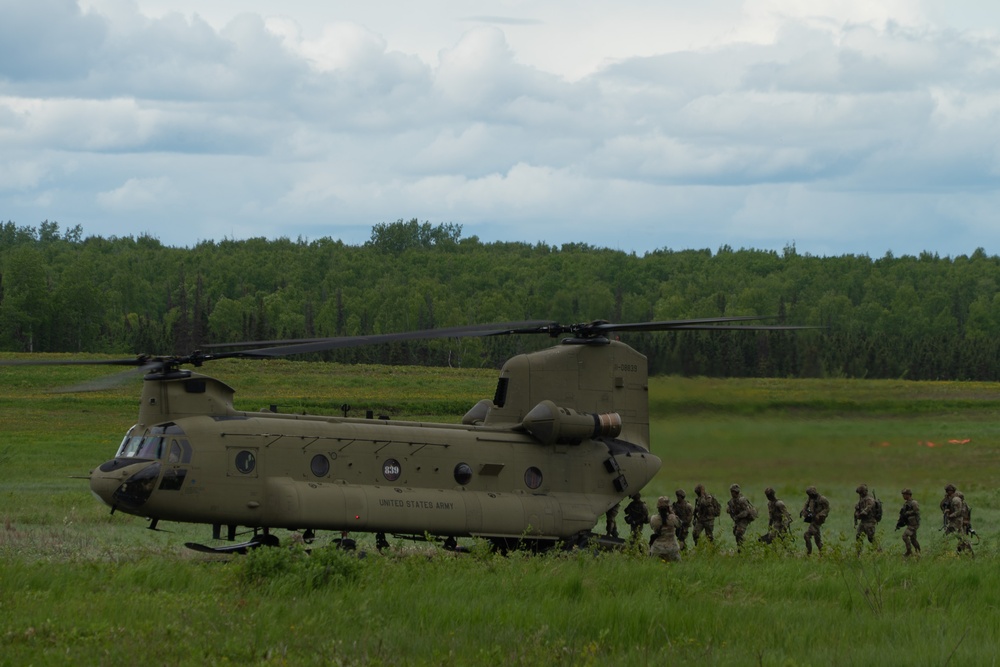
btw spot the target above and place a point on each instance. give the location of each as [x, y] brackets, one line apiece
[923, 317]
[82, 586]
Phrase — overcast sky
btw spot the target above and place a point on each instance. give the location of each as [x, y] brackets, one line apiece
[836, 126]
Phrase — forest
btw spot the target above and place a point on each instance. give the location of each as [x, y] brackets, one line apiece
[923, 317]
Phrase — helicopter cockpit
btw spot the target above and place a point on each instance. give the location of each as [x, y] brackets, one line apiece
[164, 442]
[145, 456]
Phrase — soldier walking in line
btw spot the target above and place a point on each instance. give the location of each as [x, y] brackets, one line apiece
[909, 519]
[955, 518]
[706, 510]
[742, 512]
[816, 509]
[779, 519]
[636, 516]
[685, 513]
[664, 525]
[865, 516]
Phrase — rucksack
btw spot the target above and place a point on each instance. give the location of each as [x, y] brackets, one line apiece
[753, 510]
[877, 512]
[714, 508]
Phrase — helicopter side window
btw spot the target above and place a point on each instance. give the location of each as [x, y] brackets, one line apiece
[175, 452]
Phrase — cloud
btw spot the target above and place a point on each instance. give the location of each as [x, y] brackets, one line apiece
[48, 40]
[137, 194]
[743, 125]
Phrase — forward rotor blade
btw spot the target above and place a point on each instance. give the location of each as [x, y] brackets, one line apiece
[304, 346]
[132, 361]
[108, 381]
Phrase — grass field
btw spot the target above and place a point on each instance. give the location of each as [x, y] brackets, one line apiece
[81, 586]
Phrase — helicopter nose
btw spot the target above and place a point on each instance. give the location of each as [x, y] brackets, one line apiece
[123, 485]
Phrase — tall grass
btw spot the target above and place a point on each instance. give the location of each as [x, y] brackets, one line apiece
[80, 585]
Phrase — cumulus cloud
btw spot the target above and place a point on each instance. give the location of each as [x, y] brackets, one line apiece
[48, 40]
[832, 122]
[136, 194]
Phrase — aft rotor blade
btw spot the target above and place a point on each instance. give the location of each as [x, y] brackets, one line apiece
[600, 327]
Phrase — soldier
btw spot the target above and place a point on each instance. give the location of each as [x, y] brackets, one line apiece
[779, 519]
[865, 518]
[955, 518]
[610, 524]
[816, 509]
[685, 513]
[706, 511]
[636, 516]
[664, 524]
[742, 512]
[909, 516]
[966, 515]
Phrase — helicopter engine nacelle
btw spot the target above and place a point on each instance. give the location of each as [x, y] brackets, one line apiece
[550, 424]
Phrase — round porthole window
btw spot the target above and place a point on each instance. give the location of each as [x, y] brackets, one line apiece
[532, 477]
[463, 474]
[246, 462]
[320, 465]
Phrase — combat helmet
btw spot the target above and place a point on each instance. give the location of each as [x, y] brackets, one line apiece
[662, 502]
[862, 490]
[680, 493]
[811, 491]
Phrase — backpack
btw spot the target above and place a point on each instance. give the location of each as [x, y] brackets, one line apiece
[715, 509]
[877, 512]
[753, 511]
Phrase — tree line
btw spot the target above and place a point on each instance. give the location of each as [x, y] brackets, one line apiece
[917, 317]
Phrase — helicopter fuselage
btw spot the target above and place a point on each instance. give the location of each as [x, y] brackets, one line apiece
[193, 458]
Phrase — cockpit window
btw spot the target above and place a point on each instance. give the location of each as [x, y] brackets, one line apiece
[141, 447]
[152, 444]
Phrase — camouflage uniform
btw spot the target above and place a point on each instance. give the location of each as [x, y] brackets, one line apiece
[610, 524]
[742, 512]
[706, 511]
[636, 516]
[864, 516]
[685, 513]
[664, 524]
[966, 514]
[815, 511]
[909, 516]
[779, 520]
[955, 517]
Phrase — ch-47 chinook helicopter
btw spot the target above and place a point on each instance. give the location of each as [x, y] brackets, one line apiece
[564, 439]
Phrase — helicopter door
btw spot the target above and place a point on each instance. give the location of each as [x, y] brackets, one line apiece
[178, 461]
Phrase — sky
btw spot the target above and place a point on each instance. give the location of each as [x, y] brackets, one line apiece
[834, 126]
